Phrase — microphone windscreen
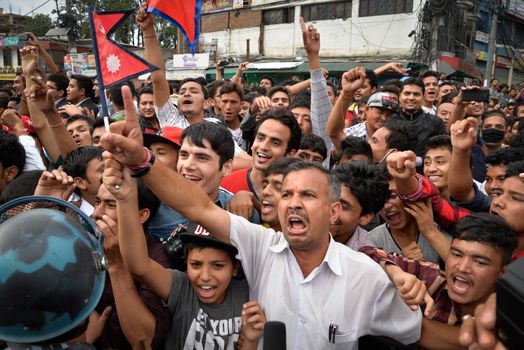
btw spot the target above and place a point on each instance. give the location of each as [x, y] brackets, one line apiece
[274, 336]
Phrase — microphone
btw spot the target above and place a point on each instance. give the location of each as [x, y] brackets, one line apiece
[274, 336]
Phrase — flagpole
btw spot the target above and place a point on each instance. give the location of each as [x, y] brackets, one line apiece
[102, 89]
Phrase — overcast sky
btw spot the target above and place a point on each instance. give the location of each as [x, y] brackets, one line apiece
[24, 7]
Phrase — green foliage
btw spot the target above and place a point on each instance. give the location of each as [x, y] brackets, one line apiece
[39, 24]
[77, 18]
[167, 33]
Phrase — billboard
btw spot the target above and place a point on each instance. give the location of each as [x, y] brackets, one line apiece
[80, 63]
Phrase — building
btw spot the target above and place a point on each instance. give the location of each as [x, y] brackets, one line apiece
[509, 56]
[439, 33]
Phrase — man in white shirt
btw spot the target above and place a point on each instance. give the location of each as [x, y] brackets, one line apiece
[300, 276]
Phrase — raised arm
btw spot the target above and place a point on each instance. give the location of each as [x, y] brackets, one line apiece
[402, 167]
[126, 144]
[135, 319]
[133, 245]
[38, 119]
[40, 96]
[460, 179]
[395, 67]
[153, 55]
[459, 112]
[351, 82]
[53, 68]
[237, 78]
[320, 105]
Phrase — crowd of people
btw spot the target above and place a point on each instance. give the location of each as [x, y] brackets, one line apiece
[359, 215]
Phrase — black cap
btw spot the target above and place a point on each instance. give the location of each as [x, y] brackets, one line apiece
[196, 233]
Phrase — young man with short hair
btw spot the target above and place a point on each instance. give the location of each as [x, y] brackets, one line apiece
[98, 130]
[80, 93]
[493, 131]
[270, 194]
[301, 109]
[394, 136]
[80, 128]
[266, 82]
[509, 204]
[312, 149]
[436, 162]
[446, 107]
[277, 135]
[136, 317]
[204, 158]
[58, 83]
[364, 190]
[431, 91]
[146, 109]
[355, 148]
[230, 106]
[424, 125]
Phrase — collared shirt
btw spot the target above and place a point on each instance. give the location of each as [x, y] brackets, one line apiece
[170, 115]
[359, 239]
[445, 310]
[358, 130]
[346, 288]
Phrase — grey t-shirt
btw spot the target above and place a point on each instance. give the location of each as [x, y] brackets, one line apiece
[196, 325]
[382, 238]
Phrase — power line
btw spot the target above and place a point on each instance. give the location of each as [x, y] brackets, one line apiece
[33, 10]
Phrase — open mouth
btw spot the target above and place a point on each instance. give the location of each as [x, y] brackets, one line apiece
[460, 284]
[393, 217]
[262, 157]
[266, 207]
[206, 292]
[296, 224]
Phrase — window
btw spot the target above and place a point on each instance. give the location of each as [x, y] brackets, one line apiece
[326, 10]
[384, 7]
[484, 23]
[278, 16]
[7, 57]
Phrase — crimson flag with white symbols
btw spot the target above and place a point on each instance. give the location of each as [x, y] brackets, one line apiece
[185, 14]
[114, 63]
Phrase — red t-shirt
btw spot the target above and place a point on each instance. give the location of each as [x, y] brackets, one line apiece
[238, 181]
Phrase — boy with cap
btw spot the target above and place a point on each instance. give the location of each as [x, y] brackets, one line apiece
[206, 302]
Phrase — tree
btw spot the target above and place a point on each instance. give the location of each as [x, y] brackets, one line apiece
[39, 24]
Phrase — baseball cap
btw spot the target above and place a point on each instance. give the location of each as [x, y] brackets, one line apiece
[383, 100]
[197, 234]
[169, 134]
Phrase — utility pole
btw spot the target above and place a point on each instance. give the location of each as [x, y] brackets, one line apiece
[492, 43]
[70, 39]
